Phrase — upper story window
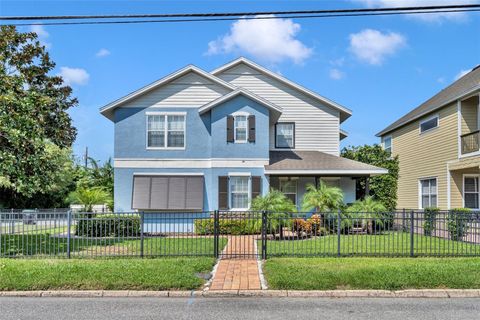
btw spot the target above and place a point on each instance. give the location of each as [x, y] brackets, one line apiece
[285, 135]
[165, 131]
[387, 144]
[471, 193]
[429, 124]
[241, 128]
[428, 193]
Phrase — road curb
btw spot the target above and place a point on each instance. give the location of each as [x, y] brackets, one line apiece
[422, 293]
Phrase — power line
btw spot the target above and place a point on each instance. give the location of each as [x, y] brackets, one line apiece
[243, 18]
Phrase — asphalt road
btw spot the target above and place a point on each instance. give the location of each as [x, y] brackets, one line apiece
[237, 308]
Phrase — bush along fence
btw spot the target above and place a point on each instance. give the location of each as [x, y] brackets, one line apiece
[67, 234]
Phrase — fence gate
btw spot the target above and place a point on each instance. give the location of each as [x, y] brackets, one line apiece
[240, 235]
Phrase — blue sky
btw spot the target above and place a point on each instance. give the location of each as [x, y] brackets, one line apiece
[379, 67]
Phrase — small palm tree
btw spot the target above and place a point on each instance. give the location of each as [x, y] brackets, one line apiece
[322, 198]
[89, 197]
[369, 210]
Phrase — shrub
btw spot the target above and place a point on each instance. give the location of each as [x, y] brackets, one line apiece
[273, 201]
[230, 226]
[108, 225]
[458, 223]
[430, 218]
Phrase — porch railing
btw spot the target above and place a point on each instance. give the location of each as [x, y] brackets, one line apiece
[470, 142]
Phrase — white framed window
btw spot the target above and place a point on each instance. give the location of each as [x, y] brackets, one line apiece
[428, 193]
[285, 135]
[289, 189]
[240, 128]
[471, 194]
[165, 130]
[429, 124]
[387, 144]
[239, 192]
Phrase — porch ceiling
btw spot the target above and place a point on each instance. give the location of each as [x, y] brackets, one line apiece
[316, 163]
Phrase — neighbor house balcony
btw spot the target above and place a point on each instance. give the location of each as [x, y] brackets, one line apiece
[470, 142]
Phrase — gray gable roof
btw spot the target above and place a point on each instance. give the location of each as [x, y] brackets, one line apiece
[461, 87]
[316, 162]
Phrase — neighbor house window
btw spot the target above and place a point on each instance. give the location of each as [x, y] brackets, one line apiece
[241, 128]
[289, 189]
[387, 144]
[285, 135]
[429, 124]
[428, 193]
[471, 192]
[165, 131]
[239, 192]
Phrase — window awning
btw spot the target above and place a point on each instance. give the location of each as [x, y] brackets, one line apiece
[168, 192]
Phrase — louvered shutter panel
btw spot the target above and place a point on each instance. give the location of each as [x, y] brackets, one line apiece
[256, 186]
[141, 193]
[223, 193]
[251, 128]
[230, 129]
[194, 193]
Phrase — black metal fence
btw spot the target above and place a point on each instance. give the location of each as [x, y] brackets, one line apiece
[65, 234]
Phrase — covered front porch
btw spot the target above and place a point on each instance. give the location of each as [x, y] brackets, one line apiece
[464, 183]
[292, 171]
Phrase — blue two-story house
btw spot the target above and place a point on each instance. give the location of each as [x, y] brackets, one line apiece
[201, 141]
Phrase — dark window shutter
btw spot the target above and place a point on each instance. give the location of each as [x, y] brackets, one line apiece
[141, 192]
[274, 183]
[223, 193]
[230, 129]
[256, 186]
[251, 128]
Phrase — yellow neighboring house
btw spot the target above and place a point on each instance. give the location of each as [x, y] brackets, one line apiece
[438, 148]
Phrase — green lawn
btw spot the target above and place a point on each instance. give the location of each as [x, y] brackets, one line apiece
[372, 273]
[46, 245]
[107, 274]
[392, 243]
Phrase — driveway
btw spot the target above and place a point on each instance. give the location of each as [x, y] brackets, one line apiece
[237, 308]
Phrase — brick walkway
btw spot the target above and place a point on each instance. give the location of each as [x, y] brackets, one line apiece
[238, 269]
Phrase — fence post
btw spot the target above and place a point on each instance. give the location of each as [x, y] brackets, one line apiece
[12, 216]
[69, 227]
[216, 232]
[339, 225]
[412, 230]
[264, 235]
[404, 226]
[142, 237]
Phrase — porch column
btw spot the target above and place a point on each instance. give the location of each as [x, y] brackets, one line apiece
[367, 187]
[316, 181]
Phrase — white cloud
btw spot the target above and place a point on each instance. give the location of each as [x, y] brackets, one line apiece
[272, 40]
[42, 35]
[336, 74]
[441, 80]
[428, 17]
[74, 75]
[462, 73]
[102, 53]
[373, 46]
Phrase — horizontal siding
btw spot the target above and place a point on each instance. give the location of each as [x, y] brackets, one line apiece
[188, 90]
[316, 126]
[457, 184]
[425, 155]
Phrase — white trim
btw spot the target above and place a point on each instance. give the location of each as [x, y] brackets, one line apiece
[420, 204]
[166, 113]
[469, 175]
[239, 174]
[198, 163]
[285, 81]
[320, 172]
[194, 159]
[471, 154]
[236, 92]
[240, 114]
[165, 129]
[160, 82]
[168, 174]
[458, 97]
[435, 116]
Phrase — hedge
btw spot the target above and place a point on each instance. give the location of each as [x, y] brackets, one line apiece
[229, 226]
[108, 225]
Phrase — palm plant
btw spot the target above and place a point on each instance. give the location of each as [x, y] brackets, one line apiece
[88, 197]
[322, 198]
[369, 211]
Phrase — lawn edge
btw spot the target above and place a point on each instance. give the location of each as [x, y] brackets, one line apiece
[410, 293]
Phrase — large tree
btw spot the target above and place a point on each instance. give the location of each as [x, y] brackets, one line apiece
[383, 187]
[35, 127]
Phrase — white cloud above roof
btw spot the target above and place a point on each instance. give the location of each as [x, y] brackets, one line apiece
[74, 76]
[102, 53]
[336, 74]
[461, 74]
[270, 40]
[373, 46]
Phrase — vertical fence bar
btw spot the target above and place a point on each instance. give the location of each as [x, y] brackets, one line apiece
[264, 235]
[216, 234]
[412, 231]
[142, 237]
[339, 223]
[69, 226]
